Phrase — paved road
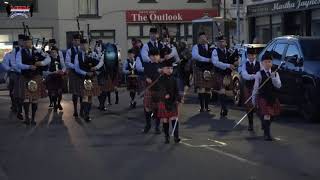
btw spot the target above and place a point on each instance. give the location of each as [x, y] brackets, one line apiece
[112, 147]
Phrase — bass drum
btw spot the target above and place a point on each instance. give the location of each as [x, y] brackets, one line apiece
[110, 54]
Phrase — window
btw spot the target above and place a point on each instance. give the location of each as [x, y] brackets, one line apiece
[88, 7]
[292, 51]
[235, 2]
[196, 1]
[104, 35]
[133, 30]
[147, 1]
[278, 51]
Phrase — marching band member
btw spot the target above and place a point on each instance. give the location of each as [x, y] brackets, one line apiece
[168, 103]
[201, 53]
[55, 82]
[74, 79]
[151, 96]
[264, 98]
[248, 73]
[8, 65]
[152, 44]
[86, 67]
[129, 69]
[224, 65]
[32, 62]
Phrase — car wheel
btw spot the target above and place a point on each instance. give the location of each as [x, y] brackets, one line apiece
[308, 108]
[236, 92]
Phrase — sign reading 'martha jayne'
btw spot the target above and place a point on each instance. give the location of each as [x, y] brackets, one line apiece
[281, 6]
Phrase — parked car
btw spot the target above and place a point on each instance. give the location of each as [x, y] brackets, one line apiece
[299, 61]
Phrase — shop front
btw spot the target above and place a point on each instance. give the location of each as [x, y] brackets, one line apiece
[289, 17]
[178, 22]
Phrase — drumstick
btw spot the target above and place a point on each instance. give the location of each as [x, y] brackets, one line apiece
[150, 86]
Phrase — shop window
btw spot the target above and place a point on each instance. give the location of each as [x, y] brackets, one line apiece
[133, 30]
[107, 36]
[235, 2]
[278, 51]
[88, 7]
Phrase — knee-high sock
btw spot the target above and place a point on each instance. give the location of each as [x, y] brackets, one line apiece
[206, 100]
[109, 97]
[117, 96]
[26, 106]
[201, 100]
[223, 101]
[250, 119]
[34, 110]
[166, 129]
[132, 95]
[75, 103]
[148, 119]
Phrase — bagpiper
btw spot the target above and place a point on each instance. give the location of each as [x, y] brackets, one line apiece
[248, 73]
[130, 70]
[152, 44]
[169, 98]
[203, 71]
[151, 94]
[32, 63]
[55, 78]
[224, 63]
[86, 67]
[74, 79]
[263, 95]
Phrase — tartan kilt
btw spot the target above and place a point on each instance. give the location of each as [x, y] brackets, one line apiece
[55, 84]
[110, 84]
[41, 90]
[18, 90]
[199, 80]
[95, 91]
[266, 109]
[74, 83]
[150, 100]
[163, 113]
[218, 81]
[247, 93]
[132, 83]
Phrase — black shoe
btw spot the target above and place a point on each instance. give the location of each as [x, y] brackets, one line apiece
[146, 129]
[250, 128]
[50, 105]
[88, 119]
[167, 140]
[60, 107]
[102, 108]
[134, 104]
[201, 110]
[224, 112]
[208, 109]
[109, 104]
[268, 138]
[177, 140]
[117, 102]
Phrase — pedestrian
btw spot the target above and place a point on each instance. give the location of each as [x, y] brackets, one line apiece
[169, 98]
[264, 97]
[130, 70]
[248, 73]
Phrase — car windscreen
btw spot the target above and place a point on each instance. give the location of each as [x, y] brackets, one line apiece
[310, 50]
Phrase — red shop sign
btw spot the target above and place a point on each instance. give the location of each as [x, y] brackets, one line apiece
[185, 15]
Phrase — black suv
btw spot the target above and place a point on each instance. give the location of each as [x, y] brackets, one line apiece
[299, 58]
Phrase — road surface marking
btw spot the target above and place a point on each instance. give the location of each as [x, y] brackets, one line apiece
[218, 142]
[211, 148]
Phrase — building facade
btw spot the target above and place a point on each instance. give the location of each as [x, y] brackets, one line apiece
[270, 19]
[109, 20]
